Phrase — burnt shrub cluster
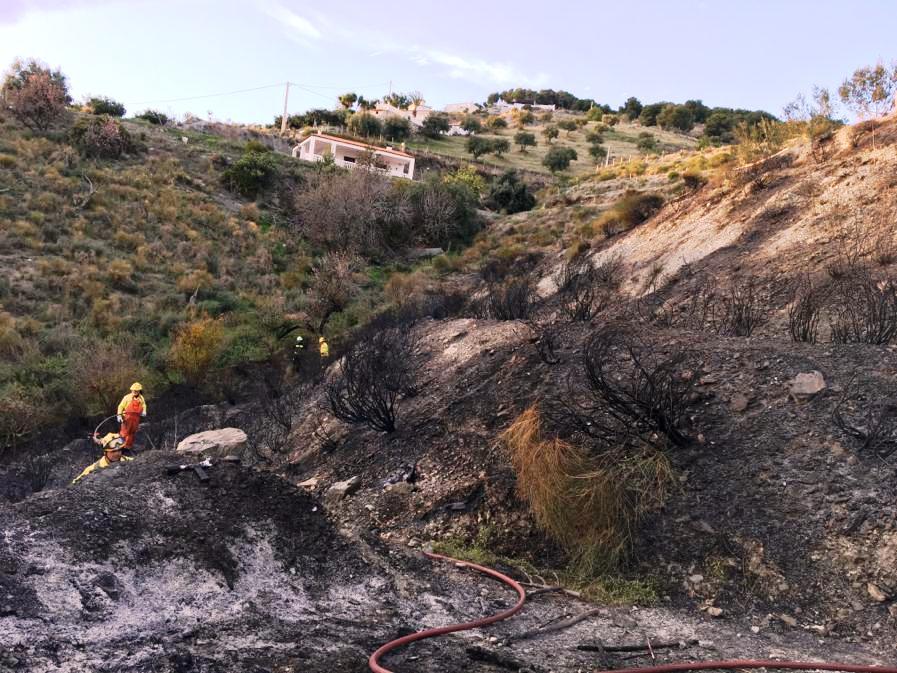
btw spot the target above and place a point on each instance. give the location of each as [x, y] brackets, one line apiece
[375, 372]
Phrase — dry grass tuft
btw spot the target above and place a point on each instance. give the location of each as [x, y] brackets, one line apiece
[590, 505]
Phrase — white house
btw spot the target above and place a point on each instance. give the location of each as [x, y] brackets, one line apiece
[456, 130]
[461, 108]
[501, 106]
[416, 114]
[348, 154]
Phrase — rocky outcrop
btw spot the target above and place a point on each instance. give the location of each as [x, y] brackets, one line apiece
[214, 443]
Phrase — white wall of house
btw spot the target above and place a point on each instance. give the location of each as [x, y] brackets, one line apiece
[462, 108]
[346, 155]
[415, 115]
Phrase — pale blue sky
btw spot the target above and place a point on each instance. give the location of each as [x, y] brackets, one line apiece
[752, 54]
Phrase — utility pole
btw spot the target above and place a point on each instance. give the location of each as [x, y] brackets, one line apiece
[283, 120]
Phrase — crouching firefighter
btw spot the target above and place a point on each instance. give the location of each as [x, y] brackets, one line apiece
[130, 410]
[112, 444]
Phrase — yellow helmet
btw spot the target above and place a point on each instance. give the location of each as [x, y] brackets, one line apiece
[320, 340]
[112, 441]
[136, 387]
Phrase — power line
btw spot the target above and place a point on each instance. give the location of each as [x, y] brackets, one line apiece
[211, 95]
[308, 88]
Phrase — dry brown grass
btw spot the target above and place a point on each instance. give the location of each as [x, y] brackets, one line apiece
[591, 505]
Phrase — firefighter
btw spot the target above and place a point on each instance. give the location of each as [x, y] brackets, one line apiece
[130, 410]
[325, 349]
[112, 444]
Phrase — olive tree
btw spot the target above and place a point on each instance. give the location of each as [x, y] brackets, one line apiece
[558, 158]
[524, 139]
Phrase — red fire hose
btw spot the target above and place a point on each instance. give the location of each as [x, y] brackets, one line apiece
[374, 661]
[756, 663]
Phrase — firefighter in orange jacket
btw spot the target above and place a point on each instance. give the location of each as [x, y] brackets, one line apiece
[130, 410]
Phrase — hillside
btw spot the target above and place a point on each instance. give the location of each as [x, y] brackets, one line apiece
[621, 142]
[618, 391]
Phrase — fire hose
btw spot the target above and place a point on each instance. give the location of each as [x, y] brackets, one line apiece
[374, 661]
[727, 664]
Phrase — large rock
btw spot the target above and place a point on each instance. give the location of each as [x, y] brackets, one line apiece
[214, 443]
[340, 490]
[806, 385]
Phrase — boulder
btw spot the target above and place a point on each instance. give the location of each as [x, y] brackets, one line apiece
[806, 385]
[341, 489]
[214, 443]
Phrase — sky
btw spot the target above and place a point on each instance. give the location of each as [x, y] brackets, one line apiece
[756, 54]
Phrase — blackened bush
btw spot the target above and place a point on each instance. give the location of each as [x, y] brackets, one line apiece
[497, 269]
[101, 136]
[371, 378]
[585, 291]
[634, 390]
[805, 312]
[693, 181]
[38, 469]
[873, 425]
[740, 310]
[250, 174]
[865, 310]
[153, 117]
[513, 299]
[510, 194]
[105, 106]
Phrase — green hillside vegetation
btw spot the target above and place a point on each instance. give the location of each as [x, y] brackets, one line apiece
[131, 250]
[621, 141]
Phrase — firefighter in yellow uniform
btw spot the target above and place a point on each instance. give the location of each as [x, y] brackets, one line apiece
[112, 444]
[131, 409]
[325, 349]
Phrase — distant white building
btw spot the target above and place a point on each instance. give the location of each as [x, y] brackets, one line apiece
[348, 154]
[461, 108]
[456, 130]
[416, 114]
[501, 106]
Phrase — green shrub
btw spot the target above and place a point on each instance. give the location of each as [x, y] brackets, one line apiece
[256, 146]
[630, 211]
[597, 151]
[153, 117]
[396, 128]
[478, 146]
[559, 158]
[101, 136]
[365, 125]
[105, 106]
[646, 142]
[435, 125]
[471, 124]
[510, 194]
[250, 175]
[524, 139]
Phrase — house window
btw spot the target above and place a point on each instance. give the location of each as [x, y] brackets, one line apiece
[349, 160]
[405, 169]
